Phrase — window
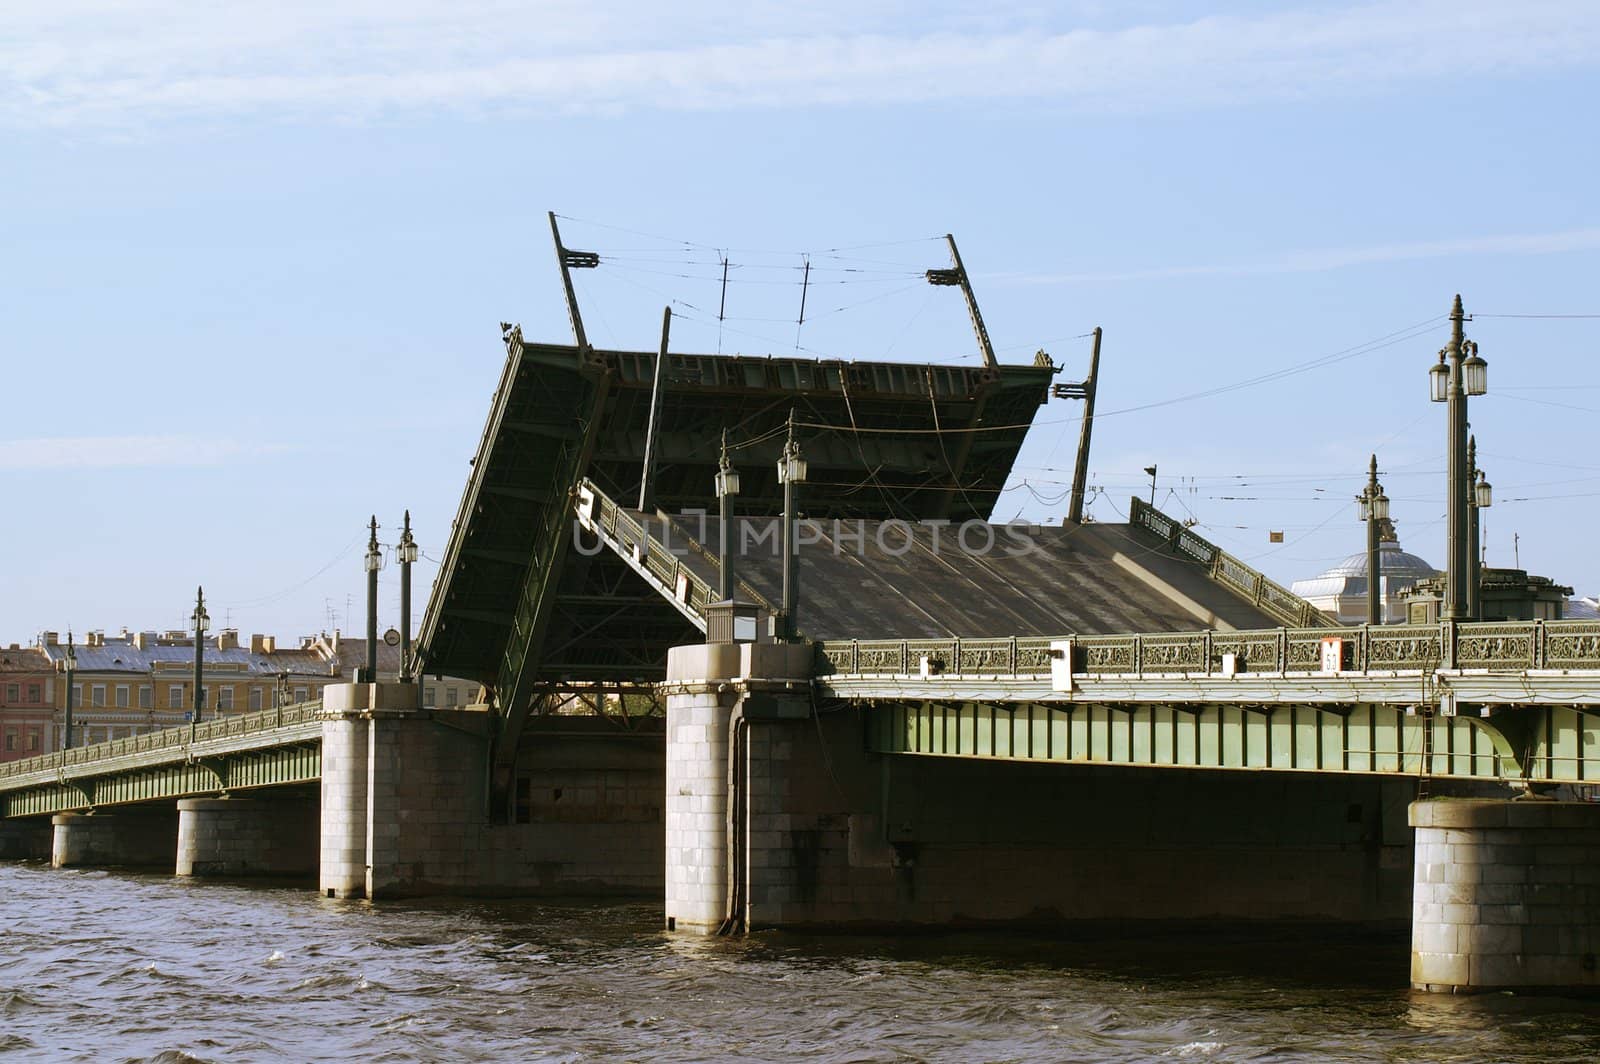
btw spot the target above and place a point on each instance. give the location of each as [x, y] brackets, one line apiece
[11, 739]
[146, 697]
[255, 698]
[13, 693]
[301, 695]
[430, 697]
[449, 696]
[33, 693]
[97, 694]
[77, 694]
[224, 696]
[122, 696]
[33, 740]
[175, 696]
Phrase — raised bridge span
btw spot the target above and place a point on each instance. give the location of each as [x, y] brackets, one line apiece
[959, 736]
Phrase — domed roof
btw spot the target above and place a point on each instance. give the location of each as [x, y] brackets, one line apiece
[1392, 562]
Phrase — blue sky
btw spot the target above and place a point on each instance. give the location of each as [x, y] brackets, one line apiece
[256, 259]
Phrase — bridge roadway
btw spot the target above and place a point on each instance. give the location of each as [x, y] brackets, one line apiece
[1492, 701]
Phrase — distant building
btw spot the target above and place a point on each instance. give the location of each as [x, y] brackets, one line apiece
[1503, 595]
[1341, 592]
[134, 682]
[27, 688]
[138, 681]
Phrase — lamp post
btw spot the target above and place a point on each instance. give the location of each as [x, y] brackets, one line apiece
[202, 622]
[71, 664]
[727, 488]
[1374, 508]
[372, 561]
[1480, 497]
[407, 552]
[1458, 374]
[791, 471]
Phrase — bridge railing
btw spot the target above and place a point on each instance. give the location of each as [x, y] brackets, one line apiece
[666, 567]
[165, 738]
[1493, 646]
[1271, 598]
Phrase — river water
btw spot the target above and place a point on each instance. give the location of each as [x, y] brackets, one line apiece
[98, 966]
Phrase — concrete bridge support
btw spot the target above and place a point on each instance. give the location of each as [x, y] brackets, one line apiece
[241, 837]
[131, 838]
[1506, 895]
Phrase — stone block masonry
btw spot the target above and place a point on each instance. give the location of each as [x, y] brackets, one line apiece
[405, 804]
[1506, 895]
[244, 837]
[131, 837]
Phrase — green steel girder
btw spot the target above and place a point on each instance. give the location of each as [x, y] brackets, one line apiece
[274, 766]
[1297, 738]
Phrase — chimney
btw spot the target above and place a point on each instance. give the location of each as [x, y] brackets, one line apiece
[50, 639]
[228, 639]
[269, 644]
[258, 643]
[142, 639]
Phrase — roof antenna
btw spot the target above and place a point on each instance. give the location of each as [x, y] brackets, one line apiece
[957, 275]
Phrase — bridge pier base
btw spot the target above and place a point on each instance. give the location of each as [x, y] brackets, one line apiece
[132, 839]
[718, 695]
[1506, 895]
[239, 837]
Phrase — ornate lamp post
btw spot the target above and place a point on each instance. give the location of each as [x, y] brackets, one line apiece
[791, 471]
[1458, 374]
[727, 488]
[407, 553]
[70, 664]
[372, 561]
[202, 623]
[1373, 505]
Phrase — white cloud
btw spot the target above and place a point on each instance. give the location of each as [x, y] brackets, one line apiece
[70, 62]
[1318, 260]
[120, 452]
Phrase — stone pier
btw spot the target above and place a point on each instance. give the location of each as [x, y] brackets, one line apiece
[406, 812]
[1506, 895]
[241, 837]
[24, 839]
[713, 693]
[129, 838]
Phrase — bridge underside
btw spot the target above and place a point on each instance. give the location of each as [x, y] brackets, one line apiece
[1541, 744]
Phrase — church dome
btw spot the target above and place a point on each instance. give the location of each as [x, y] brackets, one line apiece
[1341, 591]
[1392, 562]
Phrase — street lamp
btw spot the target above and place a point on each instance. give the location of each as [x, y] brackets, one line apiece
[727, 488]
[791, 471]
[372, 561]
[407, 553]
[70, 662]
[1373, 506]
[1460, 372]
[202, 623]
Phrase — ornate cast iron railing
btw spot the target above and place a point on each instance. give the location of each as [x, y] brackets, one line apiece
[1273, 599]
[166, 738]
[664, 567]
[1515, 646]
